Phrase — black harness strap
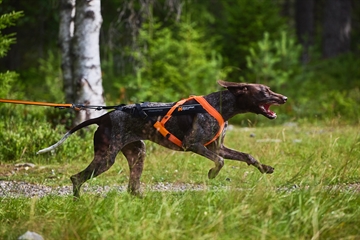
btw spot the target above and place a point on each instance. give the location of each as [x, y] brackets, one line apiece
[183, 110]
[142, 114]
[145, 112]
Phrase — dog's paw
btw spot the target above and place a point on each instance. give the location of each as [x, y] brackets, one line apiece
[212, 173]
[139, 195]
[266, 169]
[136, 193]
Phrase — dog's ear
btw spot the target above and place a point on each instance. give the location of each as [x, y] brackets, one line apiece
[233, 87]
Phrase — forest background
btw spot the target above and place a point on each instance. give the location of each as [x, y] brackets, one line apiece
[164, 50]
[167, 50]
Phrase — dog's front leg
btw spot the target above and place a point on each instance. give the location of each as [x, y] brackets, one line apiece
[231, 154]
[203, 151]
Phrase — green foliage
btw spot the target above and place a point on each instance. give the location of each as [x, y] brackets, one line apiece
[15, 132]
[186, 54]
[328, 89]
[21, 131]
[244, 22]
[27, 129]
[173, 63]
[7, 20]
[322, 89]
[273, 62]
[8, 78]
[44, 82]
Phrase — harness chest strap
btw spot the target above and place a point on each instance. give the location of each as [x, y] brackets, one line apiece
[160, 125]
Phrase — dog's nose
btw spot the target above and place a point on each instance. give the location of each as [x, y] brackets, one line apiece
[285, 98]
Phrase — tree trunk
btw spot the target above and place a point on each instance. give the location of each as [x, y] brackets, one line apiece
[87, 69]
[304, 21]
[66, 32]
[337, 27]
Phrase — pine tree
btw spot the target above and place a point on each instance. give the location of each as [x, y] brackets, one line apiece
[6, 20]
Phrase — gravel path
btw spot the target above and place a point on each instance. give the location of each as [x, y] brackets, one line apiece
[24, 189]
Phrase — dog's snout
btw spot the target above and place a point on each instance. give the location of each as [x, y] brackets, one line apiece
[284, 98]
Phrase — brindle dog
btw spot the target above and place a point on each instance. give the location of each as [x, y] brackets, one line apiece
[120, 131]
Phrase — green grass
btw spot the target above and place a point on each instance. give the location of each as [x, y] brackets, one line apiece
[314, 192]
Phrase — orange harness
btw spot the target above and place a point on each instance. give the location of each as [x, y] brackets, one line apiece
[160, 125]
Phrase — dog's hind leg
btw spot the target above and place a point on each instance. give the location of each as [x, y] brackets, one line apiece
[104, 157]
[231, 154]
[135, 154]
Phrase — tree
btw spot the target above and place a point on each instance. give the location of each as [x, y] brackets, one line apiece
[304, 21]
[66, 33]
[79, 33]
[336, 28]
[7, 20]
[242, 24]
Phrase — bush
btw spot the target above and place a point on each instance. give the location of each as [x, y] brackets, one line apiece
[328, 88]
[21, 125]
[172, 63]
[28, 129]
[323, 89]
[44, 82]
[7, 79]
[274, 62]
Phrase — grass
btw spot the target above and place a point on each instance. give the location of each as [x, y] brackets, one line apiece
[314, 192]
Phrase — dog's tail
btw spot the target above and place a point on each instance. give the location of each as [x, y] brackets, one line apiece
[78, 127]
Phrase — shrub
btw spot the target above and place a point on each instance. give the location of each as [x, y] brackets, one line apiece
[173, 63]
[273, 62]
[328, 88]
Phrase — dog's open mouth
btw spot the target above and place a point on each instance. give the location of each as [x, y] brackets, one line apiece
[265, 109]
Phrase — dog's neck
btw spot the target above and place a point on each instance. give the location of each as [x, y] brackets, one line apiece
[225, 103]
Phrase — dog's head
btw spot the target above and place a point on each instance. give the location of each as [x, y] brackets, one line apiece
[255, 98]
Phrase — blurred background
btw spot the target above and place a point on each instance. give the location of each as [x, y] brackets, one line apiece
[165, 50]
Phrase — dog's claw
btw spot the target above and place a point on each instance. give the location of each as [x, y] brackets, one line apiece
[136, 193]
[212, 174]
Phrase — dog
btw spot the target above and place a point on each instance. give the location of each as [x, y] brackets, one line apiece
[120, 131]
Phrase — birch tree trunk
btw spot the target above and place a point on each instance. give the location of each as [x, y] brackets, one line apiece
[86, 64]
[66, 33]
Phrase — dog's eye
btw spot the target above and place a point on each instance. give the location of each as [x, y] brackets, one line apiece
[266, 92]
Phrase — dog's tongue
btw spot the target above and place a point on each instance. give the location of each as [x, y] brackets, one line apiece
[268, 111]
